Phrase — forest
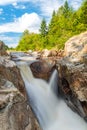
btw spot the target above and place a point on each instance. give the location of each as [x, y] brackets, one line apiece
[65, 23]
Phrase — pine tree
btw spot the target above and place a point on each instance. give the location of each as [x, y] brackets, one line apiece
[52, 22]
[60, 11]
[66, 9]
[43, 28]
[26, 32]
[83, 15]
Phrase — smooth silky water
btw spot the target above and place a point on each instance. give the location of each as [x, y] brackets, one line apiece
[51, 111]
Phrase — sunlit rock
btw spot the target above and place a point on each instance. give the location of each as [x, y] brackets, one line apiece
[73, 73]
[76, 48]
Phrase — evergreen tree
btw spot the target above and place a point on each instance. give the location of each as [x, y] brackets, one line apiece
[60, 11]
[83, 15]
[52, 22]
[43, 28]
[66, 9]
[26, 32]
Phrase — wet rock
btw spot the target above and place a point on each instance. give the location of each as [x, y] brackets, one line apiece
[43, 69]
[73, 74]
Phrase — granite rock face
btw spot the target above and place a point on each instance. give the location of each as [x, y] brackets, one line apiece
[15, 113]
[73, 74]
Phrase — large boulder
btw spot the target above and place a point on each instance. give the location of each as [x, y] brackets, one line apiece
[2, 49]
[42, 69]
[76, 48]
[15, 113]
[73, 74]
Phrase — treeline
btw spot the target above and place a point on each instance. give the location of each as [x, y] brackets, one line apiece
[64, 23]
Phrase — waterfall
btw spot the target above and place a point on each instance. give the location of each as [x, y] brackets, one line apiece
[51, 112]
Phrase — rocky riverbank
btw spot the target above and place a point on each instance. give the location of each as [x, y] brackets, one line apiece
[15, 113]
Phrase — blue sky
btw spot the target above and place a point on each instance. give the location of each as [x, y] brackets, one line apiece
[18, 15]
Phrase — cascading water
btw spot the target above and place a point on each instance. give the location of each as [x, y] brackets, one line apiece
[52, 113]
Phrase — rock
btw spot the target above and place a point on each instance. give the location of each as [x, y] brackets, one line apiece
[73, 74]
[42, 69]
[45, 53]
[2, 49]
[76, 48]
[10, 72]
[15, 113]
[52, 53]
[48, 53]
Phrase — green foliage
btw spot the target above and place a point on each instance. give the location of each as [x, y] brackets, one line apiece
[83, 13]
[64, 23]
[66, 10]
[43, 28]
[29, 42]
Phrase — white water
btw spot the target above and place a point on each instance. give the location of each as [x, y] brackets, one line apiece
[52, 113]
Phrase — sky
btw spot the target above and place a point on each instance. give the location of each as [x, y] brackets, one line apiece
[19, 15]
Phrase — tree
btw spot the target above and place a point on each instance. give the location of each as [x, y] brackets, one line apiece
[26, 32]
[60, 11]
[83, 14]
[43, 28]
[66, 9]
[52, 22]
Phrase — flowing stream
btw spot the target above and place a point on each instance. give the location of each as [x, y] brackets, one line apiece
[51, 112]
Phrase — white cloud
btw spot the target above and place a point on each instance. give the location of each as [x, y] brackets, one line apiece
[26, 21]
[1, 10]
[18, 6]
[6, 2]
[14, 4]
[10, 41]
[46, 6]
